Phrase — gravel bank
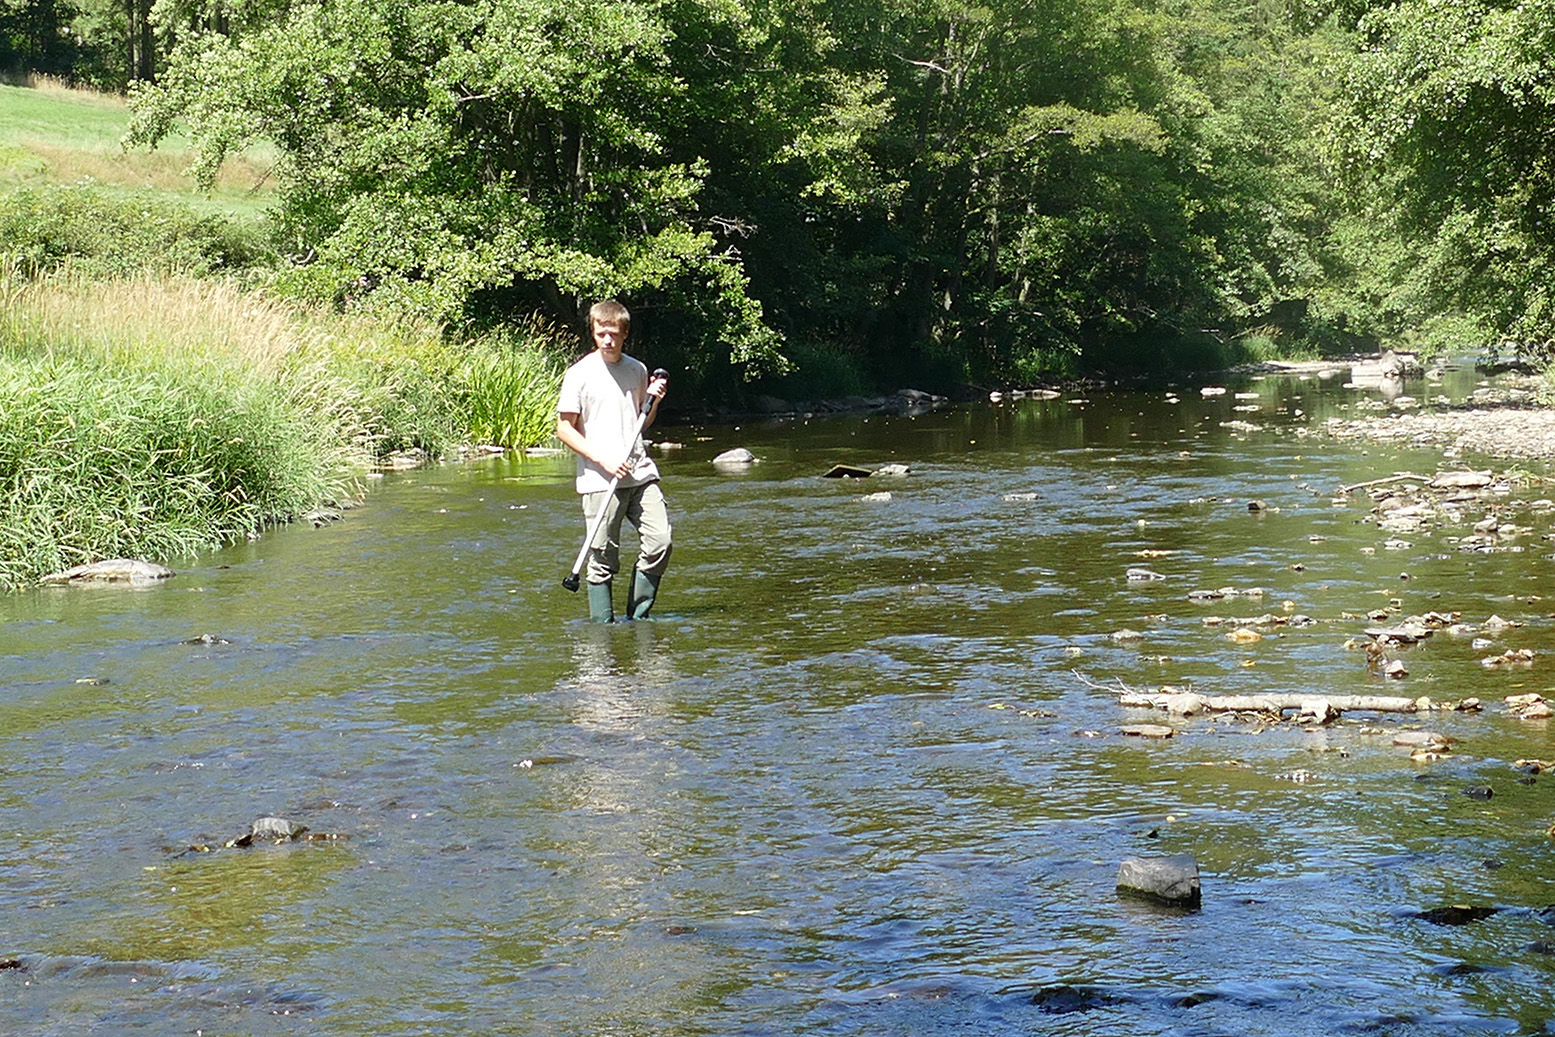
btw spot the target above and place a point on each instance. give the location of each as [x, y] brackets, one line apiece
[1504, 422]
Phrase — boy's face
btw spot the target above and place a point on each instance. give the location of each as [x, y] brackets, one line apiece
[608, 339]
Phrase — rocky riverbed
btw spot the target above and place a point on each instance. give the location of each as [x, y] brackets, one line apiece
[1506, 419]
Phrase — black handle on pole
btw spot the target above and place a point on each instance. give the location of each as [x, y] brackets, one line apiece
[648, 400]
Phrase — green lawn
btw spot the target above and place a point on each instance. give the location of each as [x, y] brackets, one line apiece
[53, 135]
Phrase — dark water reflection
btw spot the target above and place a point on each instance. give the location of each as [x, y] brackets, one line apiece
[857, 778]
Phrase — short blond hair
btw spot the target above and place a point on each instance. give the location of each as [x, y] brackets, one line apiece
[609, 312]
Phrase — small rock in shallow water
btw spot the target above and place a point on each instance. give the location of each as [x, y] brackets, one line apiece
[1530, 706]
[269, 829]
[276, 828]
[1167, 880]
[1461, 480]
[1424, 739]
[846, 471]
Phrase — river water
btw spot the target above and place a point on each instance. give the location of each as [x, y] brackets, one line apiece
[862, 774]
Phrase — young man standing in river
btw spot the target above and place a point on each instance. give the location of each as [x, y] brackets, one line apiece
[596, 417]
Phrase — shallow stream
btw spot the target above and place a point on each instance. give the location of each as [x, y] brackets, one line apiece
[862, 774]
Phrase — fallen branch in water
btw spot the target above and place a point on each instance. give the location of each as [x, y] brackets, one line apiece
[1119, 688]
[1400, 477]
[1186, 703]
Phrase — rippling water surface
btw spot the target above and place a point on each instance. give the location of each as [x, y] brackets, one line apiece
[862, 774]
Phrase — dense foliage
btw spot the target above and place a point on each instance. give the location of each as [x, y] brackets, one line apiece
[879, 191]
[1449, 126]
[93, 232]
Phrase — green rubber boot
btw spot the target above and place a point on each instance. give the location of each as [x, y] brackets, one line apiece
[600, 609]
[645, 587]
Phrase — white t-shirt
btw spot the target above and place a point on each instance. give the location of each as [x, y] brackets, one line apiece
[604, 396]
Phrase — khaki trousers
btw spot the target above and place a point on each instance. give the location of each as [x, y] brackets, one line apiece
[642, 506]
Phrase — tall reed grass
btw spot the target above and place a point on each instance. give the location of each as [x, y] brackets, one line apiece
[510, 382]
[156, 416]
[100, 460]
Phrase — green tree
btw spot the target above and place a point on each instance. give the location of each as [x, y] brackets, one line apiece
[477, 161]
[933, 190]
[1447, 133]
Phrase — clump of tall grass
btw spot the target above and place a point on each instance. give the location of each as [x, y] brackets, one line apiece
[100, 460]
[510, 384]
[155, 416]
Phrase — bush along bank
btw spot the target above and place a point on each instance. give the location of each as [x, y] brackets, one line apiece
[154, 417]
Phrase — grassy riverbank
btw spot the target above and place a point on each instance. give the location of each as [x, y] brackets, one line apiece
[158, 415]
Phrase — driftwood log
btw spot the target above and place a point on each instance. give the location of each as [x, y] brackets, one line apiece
[1187, 703]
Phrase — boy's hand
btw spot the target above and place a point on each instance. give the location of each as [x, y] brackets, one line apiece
[621, 470]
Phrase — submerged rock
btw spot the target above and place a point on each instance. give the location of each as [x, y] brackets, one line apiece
[1457, 914]
[847, 471]
[1064, 998]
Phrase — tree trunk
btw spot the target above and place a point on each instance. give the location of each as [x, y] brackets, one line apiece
[141, 45]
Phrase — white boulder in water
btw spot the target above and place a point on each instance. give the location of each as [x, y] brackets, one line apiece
[736, 458]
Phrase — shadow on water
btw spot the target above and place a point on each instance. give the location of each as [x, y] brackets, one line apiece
[862, 773]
